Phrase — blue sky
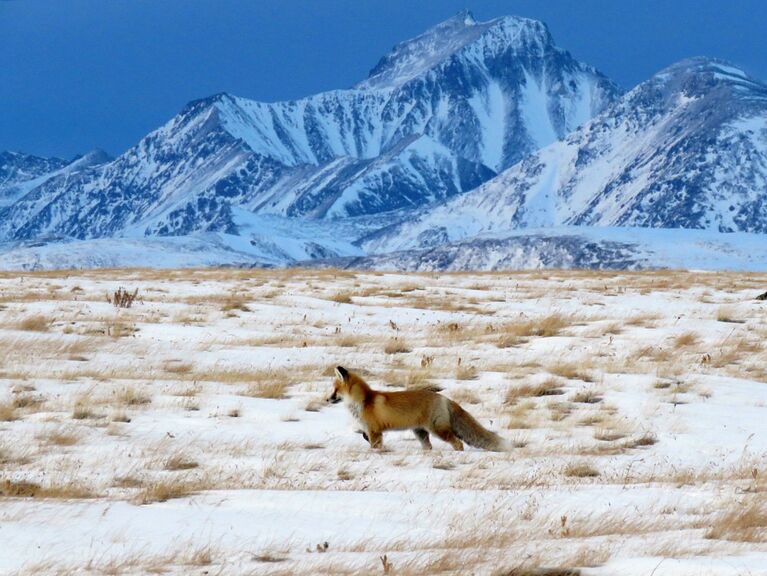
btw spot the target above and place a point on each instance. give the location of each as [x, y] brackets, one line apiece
[81, 74]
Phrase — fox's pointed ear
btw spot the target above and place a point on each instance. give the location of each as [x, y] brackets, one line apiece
[342, 373]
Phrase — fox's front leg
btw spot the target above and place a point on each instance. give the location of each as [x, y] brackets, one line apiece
[375, 439]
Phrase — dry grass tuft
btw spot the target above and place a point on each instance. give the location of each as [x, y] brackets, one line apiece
[586, 397]
[727, 314]
[130, 396]
[396, 346]
[609, 434]
[646, 439]
[341, 297]
[271, 385]
[465, 396]
[421, 380]
[234, 302]
[348, 341]
[27, 401]
[571, 371]
[8, 411]
[119, 328]
[83, 408]
[741, 521]
[548, 326]
[344, 474]
[549, 387]
[37, 323]
[58, 437]
[25, 489]
[581, 470]
[466, 372]
[167, 489]
[686, 339]
[180, 462]
[176, 367]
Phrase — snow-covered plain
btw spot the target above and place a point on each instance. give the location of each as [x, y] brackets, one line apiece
[188, 433]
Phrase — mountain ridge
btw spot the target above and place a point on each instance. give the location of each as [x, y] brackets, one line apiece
[481, 106]
[458, 141]
[664, 155]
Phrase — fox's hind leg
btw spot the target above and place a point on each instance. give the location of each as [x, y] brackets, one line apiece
[423, 438]
[447, 435]
[376, 439]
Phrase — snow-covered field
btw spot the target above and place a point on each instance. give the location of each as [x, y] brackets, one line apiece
[188, 433]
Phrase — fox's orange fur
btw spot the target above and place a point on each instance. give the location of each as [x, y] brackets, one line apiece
[422, 411]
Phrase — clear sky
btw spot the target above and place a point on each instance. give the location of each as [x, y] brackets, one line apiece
[81, 74]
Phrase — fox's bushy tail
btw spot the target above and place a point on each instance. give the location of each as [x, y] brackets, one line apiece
[466, 427]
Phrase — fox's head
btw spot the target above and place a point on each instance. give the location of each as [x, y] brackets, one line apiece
[340, 386]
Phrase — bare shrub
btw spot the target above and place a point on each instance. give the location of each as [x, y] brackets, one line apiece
[121, 298]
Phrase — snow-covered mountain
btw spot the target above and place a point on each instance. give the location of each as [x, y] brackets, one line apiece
[439, 115]
[685, 149]
[476, 145]
[16, 167]
[21, 173]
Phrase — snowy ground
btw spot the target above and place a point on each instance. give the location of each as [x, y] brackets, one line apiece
[188, 435]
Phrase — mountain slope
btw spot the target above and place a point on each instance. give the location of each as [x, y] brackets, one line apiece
[589, 247]
[18, 171]
[484, 96]
[686, 149]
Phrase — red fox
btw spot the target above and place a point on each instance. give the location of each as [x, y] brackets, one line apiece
[421, 411]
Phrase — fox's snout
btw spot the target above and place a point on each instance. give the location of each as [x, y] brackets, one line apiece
[334, 398]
